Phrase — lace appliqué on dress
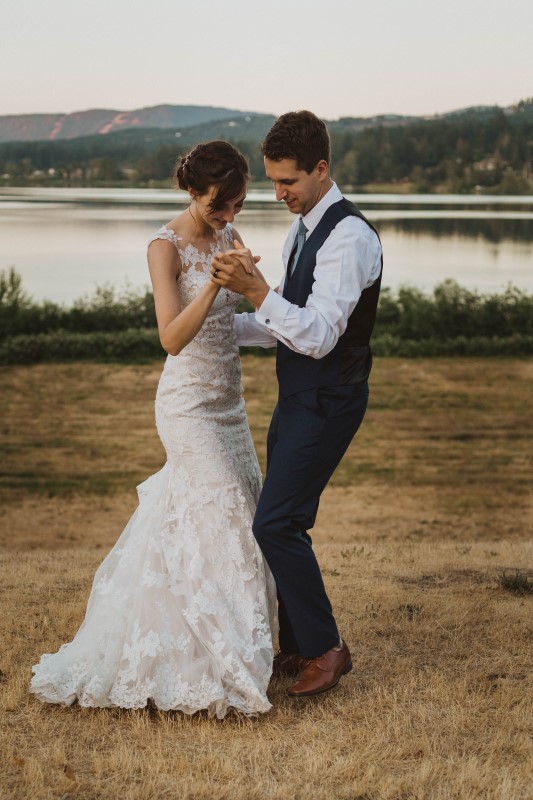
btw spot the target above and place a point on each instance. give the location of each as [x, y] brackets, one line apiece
[182, 610]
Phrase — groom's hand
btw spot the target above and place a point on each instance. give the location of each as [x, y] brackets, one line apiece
[236, 270]
[244, 255]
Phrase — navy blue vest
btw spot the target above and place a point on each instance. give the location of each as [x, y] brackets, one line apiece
[350, 361]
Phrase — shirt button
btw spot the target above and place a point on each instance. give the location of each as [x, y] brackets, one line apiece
[267, 322]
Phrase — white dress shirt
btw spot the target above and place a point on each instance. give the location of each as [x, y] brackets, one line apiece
[348, 262]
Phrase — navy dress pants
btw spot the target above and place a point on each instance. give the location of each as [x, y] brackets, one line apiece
[309, 433]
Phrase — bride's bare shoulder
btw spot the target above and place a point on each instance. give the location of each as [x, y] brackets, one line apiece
[177, 226]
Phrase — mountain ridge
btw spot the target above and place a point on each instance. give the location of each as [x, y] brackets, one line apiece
[167, 117]
[99, 121]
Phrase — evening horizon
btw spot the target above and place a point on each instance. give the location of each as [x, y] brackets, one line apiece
[80, 109]
[351, 61]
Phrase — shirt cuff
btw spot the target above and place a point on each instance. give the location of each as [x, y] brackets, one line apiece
[272, 310]
[250, 333]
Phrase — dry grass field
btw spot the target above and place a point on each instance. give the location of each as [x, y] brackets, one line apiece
[432, 505]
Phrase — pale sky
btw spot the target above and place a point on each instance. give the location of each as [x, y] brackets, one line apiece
[336, 58]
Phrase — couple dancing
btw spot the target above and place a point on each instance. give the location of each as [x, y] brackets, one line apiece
[184, 610]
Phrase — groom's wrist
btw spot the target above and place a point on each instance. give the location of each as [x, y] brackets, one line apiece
[257, 295]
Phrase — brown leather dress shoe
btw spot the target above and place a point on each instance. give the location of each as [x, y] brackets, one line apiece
[288, 663]
[322, 673]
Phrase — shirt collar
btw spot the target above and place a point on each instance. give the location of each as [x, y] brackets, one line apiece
[313, 217]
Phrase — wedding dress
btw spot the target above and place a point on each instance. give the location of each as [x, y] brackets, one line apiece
[182, 610]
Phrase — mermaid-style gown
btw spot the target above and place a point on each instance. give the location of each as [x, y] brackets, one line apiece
[182, 610]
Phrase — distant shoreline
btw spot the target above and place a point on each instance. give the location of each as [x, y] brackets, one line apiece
[256, 198]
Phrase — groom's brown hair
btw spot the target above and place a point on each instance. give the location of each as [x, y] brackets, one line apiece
[299, 135]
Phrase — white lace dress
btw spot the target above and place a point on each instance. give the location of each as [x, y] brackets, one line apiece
[182, 610]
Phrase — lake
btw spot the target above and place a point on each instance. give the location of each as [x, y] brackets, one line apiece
[65, 242]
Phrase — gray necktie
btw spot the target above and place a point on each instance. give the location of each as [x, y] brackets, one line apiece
[302, 230]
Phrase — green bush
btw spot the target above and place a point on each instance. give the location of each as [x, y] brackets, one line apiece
[133, 345]
[479, 346]
[106, 310]
[452, 311]
[113, 326]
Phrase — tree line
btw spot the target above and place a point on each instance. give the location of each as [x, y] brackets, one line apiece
[484, 152]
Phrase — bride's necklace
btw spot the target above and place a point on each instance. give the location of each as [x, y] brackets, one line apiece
[210, 240]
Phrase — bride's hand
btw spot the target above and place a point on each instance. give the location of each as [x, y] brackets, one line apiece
[234, 259]
[244, 256]
[219, 260]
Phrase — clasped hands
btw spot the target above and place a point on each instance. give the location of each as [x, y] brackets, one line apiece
[237, 270]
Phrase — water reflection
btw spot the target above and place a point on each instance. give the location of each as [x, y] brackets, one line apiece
[65, 249]
[491, 230]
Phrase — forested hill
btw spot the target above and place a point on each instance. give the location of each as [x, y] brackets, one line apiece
[102, 121]
[175, 118]
[483, 149]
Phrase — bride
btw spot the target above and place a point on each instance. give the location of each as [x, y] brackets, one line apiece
[181, 611]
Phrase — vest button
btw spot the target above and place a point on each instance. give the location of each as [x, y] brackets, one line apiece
[267, 322]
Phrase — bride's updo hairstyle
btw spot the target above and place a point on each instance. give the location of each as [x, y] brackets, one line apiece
[217, 164]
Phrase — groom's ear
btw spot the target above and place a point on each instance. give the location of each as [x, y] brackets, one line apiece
[322, 169]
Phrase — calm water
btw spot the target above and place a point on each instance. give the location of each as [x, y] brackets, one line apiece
[66, 242]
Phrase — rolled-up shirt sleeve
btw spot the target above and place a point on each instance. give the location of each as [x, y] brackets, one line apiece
[347, 263]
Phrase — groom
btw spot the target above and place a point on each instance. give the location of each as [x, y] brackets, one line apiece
[321, 318]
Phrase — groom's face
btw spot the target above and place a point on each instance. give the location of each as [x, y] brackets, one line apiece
[298, 189]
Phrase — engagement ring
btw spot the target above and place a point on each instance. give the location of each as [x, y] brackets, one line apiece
[215, 273]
